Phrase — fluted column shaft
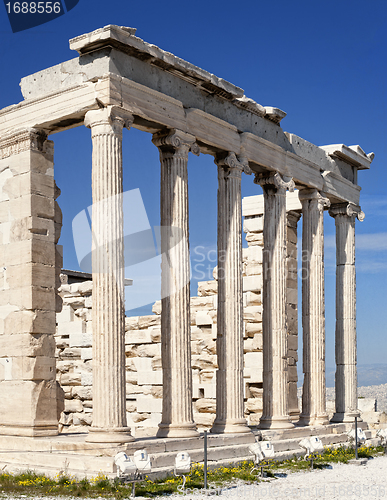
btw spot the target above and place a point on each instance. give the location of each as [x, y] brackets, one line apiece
[292, 312]
[109, 385]
[229, 343]
[313, 308]
[177, 416]
[345, 342]
[275, 337]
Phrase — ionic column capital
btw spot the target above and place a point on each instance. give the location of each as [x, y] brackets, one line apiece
[315, 197]
[233, 165]
[108, 120]
[275, 181]
[348, 209]
[176, 142]
[22, 140]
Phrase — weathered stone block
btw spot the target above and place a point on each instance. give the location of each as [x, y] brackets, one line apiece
[27, 206]
[204, 361]
[254, 239]
[73, 406]
[86, 378]
[292, 296]
[138, 337]
[82, 419]
[207, 391]
[291, 235]
[253, 370]
[254, 405]
[252, 269]
[33, 161]
[292, 343]
[205, 406]
[255, 391]
[29, 345]
[252, 299]
[197, 346]
[204, 419]
[71, 352]
[71, 379]
[253, 344]
[28, 408]
[156, 362]
[206, 302]
[29, 297]
[145, 350]
[253, 329]
[254, 254]
[72, 328]
[147, 321]
[207, 288]
[252, 283]
[34, 250]
[149, 404]
[82, 339]
[86, 353]
[292, 373]
[252, 314]
[155, 334]
[131, 323]
[58, 257]
[36, 321]
[157, 391]
[203, 319]
[291, 252]
[31, 368]
[150, 377]
[28, 228]
[254, 418]
[68, 391]
[292, 355]
[82, 392]
[156, 308]
[207, 376]
[63, 366]
[253, 225]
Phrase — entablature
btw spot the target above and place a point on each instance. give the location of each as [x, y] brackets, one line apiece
[116, 68]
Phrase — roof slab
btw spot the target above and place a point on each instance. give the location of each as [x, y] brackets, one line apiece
[115, 67]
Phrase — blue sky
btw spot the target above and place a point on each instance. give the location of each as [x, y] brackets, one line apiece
[321, 62]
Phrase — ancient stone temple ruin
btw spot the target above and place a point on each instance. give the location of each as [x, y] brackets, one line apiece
[116, 81]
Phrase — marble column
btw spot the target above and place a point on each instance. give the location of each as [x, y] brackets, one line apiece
[229, 344]
[109, 385]
[313, 308]
[292, 311]
[177, 416]
[346, 371]
[275, 336]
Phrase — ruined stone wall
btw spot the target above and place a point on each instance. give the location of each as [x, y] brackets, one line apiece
[30, 224]
[143, 348]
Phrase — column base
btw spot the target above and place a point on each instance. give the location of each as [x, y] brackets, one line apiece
[33, 431]
[313, 420]
[294, 416]
[275, 423]
[230, 426]
[108, 435]
[177, 430]
[346, 417]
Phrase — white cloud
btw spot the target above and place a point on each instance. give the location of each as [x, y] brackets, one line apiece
[374, 205]
[375, 242]
[371, 266]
